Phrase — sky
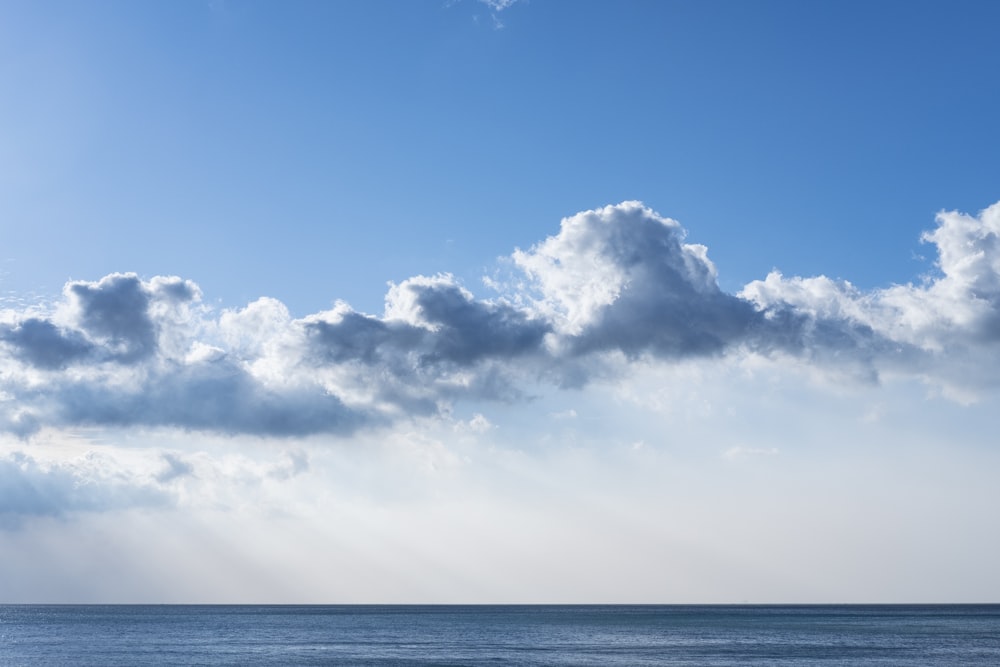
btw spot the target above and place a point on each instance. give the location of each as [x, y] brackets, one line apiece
[499, 301]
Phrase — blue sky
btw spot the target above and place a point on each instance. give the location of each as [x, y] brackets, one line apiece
[227, 141]
[374, 278]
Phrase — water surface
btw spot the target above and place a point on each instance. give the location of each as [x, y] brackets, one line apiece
[707, 636]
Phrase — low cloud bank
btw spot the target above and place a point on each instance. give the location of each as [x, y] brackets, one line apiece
[615, 286]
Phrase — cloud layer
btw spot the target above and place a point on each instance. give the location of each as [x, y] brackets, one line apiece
[615, 286]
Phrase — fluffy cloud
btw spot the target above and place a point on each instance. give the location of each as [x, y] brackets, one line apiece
[114, 319]
[944, 329]
[42, 344]
[614, 285]
[622, 278]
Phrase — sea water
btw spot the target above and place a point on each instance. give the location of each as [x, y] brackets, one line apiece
[945, 635]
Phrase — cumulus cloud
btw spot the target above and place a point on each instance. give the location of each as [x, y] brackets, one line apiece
[41, 343]
[613, 286]
[622, 278]
[944, 329]
[434, 322]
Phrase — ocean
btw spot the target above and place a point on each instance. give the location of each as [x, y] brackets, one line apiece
[707, 636]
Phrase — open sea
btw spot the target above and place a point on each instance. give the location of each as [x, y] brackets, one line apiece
[110, 635]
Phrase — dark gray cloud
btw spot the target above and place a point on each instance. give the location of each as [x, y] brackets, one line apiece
[108, 320]
[212, 396]
[659, 315]
[852, 348]
[114, 311]
[436, 343]
[452, 329]
[467, 331]
[355, 337]
[41, 343]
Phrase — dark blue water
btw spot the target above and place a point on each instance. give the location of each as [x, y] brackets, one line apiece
[112, 635]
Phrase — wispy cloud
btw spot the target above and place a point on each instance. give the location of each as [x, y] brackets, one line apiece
[90, 483]
[497, 7]
[614, 286]
[175, 467]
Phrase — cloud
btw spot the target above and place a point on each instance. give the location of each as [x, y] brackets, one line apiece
[115, 312]
[295, 463]
[176, 467]
[88, 484]
[613, 287]
[945, 329]
[622, 278]
[435, 342]
[43, 344]
[111, 478]
[435, 322]
[496, 7]
[478, 424]
[217, 395]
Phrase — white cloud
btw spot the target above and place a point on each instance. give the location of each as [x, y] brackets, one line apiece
[420, 515]
[246, 455]
[496, 7]
[87, 483]
[614, 288]
[480, 424]
[946, 329]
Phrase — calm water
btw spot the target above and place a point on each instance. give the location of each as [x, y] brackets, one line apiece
[500, 635]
